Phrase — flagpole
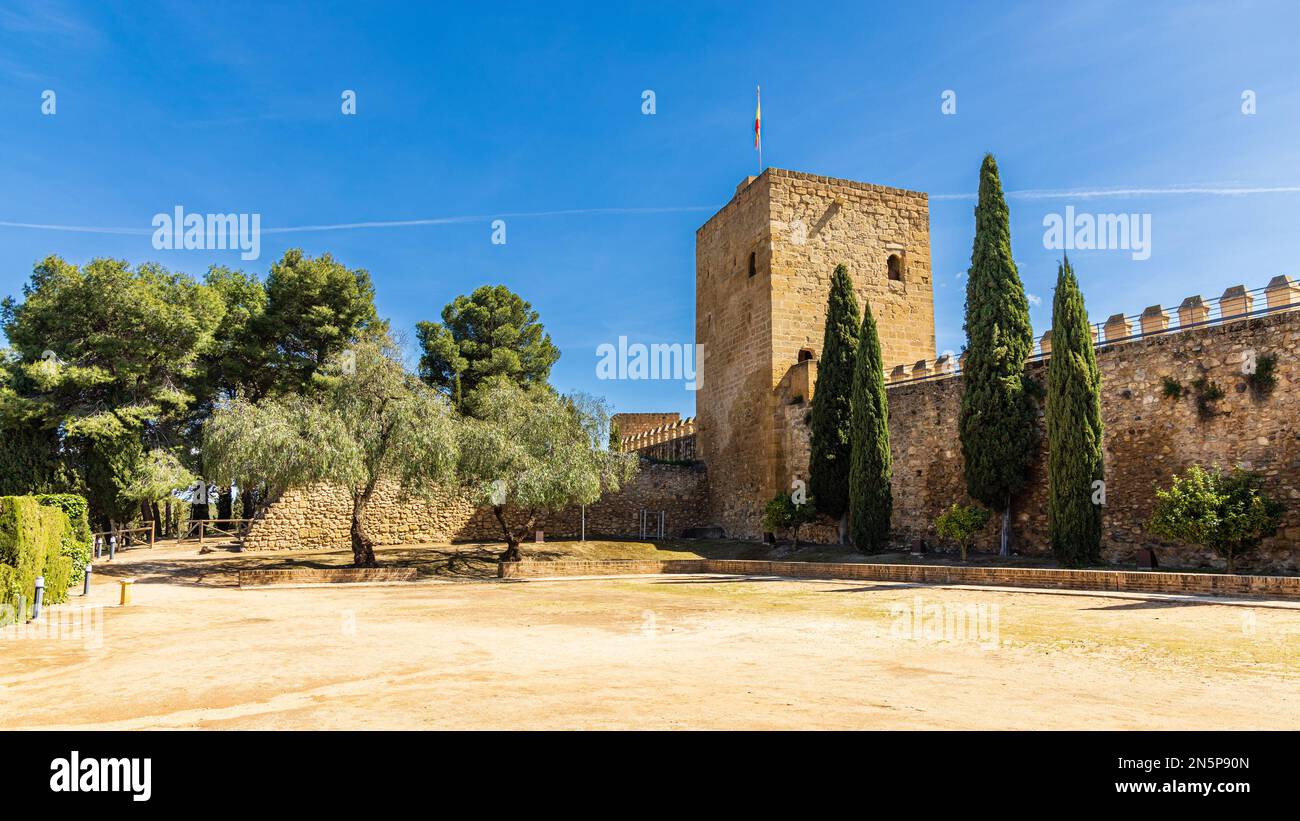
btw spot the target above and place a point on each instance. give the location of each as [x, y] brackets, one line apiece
[758, 91]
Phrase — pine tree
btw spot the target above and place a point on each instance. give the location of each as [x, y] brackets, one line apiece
[996, 424]
[871, 500]
[1074, 429]
[828, 470]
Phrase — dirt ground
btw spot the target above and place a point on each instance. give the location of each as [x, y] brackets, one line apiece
[465, 651]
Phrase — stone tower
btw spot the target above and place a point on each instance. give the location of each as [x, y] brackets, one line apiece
[762, 275]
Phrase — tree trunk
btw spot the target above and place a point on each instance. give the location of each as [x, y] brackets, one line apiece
[511, 553]
[246, 501]
[363, 547]
[225, 503]
[1232, 561]
[159, 524]
[1005, 548]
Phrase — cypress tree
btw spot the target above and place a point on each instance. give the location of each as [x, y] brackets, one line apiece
[996, 424]
[828, 469]
[1074, 429]
[871, 500]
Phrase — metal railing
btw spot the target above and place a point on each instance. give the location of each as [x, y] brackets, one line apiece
[1235, 304]
[111, 541]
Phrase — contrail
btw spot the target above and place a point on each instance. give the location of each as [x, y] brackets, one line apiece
[1025, 194]
[1094, 193]
[348, 226]
[345, 226]
[81, 229]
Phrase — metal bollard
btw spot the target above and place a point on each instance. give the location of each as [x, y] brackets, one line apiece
[99, 545]
[112, 547]
[85, 587]
[40, 596]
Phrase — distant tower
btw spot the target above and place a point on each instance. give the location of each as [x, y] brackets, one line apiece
[762, 275]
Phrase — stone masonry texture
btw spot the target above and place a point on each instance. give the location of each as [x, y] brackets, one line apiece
[1148, 439]
[763, 268]
[319, 517]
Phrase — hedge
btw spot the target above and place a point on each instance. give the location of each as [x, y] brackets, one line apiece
[32, 539]
[78, 544]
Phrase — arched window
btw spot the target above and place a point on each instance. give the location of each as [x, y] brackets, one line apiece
[753, 263]
[806, 354]
[895, 268]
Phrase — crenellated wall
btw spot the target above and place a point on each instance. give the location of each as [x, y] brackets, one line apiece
[671, 441]
[1149, 436]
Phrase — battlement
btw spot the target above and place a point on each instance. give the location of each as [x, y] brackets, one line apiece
[1282, 293]
[634, 424]
[672, 441]
[661, 433]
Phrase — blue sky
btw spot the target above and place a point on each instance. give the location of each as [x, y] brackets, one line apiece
[532, 109]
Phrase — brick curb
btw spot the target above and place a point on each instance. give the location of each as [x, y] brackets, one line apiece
[325, 576]
[1131, 581]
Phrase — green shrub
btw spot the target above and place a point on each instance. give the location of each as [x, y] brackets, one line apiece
[1207, 393]
[78, 544]
[10, 591]
[1226, 512]
[960, 523]
[784, 513]
[1170, 387]
[31, 545]
[1264, 378]
[58, 572]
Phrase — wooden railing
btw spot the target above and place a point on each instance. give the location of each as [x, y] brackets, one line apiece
[231, 528]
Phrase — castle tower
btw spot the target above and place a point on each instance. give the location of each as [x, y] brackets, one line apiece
[763, 266]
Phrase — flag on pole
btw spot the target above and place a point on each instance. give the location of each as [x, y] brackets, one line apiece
[758, 120]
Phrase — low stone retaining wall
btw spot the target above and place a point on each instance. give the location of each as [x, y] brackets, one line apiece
[320, 516]
[1131, 581]
[628, 567]
[331, 575]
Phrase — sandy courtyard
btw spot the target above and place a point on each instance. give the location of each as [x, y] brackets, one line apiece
[195, 651]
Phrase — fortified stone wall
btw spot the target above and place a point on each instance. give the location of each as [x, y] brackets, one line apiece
[733, 323]
[673, 441]
[1149, 437]
[320, 517]
[632, 425]
[763, 268]
[679, 449]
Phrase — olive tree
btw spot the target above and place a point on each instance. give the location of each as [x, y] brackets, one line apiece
[364, 418]
[531, 451]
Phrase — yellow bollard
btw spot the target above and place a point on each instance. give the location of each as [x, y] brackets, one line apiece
[126, 591]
